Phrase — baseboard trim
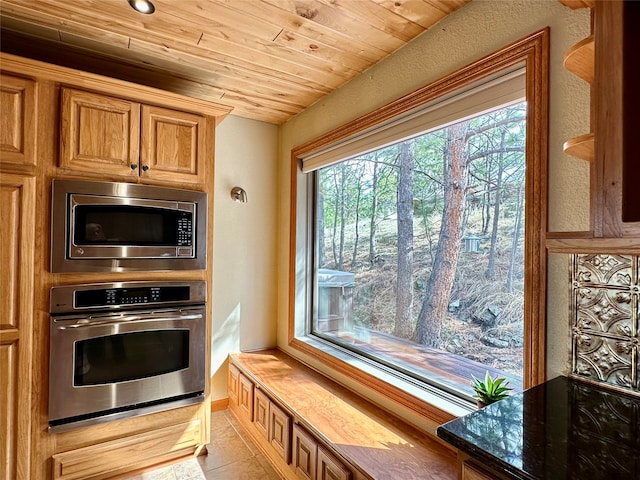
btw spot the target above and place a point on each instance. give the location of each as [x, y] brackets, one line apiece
[217, 405]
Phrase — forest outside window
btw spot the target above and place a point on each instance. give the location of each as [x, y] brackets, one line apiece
[416, 246]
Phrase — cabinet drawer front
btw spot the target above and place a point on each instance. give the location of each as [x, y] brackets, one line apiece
[330, 468]
[245, 396]
[138, 450]
[261, 413]
[304, 454]
[234, 375]
[280, 431]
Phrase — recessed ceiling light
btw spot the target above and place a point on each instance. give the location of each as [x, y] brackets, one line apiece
[142, 6]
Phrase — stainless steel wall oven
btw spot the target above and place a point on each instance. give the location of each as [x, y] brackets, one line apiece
[111, 226]
[125, 348]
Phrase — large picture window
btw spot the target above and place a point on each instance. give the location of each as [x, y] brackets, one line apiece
[418, 235]
[418, 251]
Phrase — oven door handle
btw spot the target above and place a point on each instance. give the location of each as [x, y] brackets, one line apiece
[130, 320]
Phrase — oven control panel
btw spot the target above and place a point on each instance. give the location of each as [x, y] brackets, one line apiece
[129, 296]
[123, 294]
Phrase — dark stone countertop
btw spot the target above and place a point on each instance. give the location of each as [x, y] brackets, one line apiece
[563, 429]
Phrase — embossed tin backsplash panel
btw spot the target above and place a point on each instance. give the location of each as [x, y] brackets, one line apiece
[604, 320]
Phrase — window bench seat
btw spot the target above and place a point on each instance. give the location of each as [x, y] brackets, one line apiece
[310, 427]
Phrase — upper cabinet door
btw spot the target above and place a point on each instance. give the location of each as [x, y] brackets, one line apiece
[173, 145]
[99, 133]
[17, 122]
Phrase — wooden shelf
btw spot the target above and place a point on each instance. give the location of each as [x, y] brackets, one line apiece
[580, 59]
[618, 246]
[578, 3]
[581, 147]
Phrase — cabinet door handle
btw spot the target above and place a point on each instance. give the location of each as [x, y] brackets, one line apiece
[145, 167]
[134, 166]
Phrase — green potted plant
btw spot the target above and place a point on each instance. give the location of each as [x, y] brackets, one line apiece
[490, 390]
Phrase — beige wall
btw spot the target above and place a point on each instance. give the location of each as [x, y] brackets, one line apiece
[478, 29]
[244, 251]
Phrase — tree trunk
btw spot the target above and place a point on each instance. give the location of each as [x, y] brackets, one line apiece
[440, 282]
[320, 227]
[343, 181]
[497, 199]
[374, 213]
[354, 255]
[334, 230]
[404, 280]
[515, 241]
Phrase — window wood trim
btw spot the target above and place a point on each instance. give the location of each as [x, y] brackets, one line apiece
[533, 51]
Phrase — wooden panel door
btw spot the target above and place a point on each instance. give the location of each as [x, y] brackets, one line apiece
[99, 134]
[304, 451]
[233, 384]
[330, 468]
[17, 121]
[17, 217]
[245, 396]
[173, 145]
[261, 413]
[280, 431]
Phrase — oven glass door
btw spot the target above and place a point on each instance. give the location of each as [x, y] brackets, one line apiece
[101, 364]
[130, 356]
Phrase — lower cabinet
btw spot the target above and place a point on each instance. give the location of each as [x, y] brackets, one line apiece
[273, 423]
[233, 383]
[112, 458]
[312, 461]
[280, 432]
[305, 453]
[292, 449]
[329, 467]
[245, 397]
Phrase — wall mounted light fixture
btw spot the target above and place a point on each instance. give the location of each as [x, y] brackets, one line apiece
[239, 194]
[142, 6]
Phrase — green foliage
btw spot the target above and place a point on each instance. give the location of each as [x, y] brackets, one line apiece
[490, 390]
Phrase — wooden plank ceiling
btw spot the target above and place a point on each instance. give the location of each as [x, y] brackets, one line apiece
[268, 59]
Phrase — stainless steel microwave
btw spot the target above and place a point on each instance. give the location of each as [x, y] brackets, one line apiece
[117, 227]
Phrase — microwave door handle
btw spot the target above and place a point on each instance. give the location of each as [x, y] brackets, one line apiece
[130, 320]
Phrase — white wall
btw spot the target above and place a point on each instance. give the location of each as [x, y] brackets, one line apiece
[479, 28]
[244, 251]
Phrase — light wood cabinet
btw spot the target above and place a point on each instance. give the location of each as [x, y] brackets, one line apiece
[273, 424]
[233, 384]
[312, 461]
[58, 122]
[289, 445]
[245, 396]
[108, 135]
[17, 122]
[17, 217]
[99, 133]
[261, 413]
[304, 453]
[108, 459]
[280, 432]
[172, 145]
[329, 467]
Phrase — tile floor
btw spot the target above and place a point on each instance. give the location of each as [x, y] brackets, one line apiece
[232, 456]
